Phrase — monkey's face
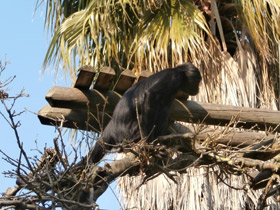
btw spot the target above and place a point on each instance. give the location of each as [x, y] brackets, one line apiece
[194, 87]
[192, 84]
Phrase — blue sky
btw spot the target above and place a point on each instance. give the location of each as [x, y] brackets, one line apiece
[23, 43]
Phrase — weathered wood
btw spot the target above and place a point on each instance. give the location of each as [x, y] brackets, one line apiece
[74, 98]
[216, 114]
[186, 111]
[80, 119]
[72, 118]
[236, 138]
[125, 81]
[144, 75]
[104, 79]
[85, 77]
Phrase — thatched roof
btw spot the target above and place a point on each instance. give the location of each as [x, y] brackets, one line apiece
[199, 188]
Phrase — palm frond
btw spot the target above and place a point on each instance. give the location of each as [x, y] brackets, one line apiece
[128, 35]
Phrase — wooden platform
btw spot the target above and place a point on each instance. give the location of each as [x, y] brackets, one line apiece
[89, 104]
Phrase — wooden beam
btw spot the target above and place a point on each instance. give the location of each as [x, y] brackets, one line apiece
[125, 81]
[85, 77]
[144, 75]
[104, 79]
[236, 138]
[216, 114]
[73, 118]
[186, 111]
[74, 98]
[80, 119]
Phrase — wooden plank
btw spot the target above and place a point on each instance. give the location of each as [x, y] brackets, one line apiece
[186, 111]
[144, 74]
[125, 81]
[104, 79]
[71, 118]
[85, 77]
[75, 98]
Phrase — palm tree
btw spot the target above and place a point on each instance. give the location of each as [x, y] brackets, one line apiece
[235, 43]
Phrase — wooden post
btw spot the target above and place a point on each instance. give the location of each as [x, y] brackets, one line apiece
[144, 74]
[104, 79]
[125, 81]
[85, 77]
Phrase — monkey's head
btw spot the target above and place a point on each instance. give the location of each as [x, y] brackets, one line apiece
[193, 78]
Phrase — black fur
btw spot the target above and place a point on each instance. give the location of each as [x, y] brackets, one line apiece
[152, 98]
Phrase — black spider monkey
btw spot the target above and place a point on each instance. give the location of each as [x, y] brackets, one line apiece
[150, 99]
